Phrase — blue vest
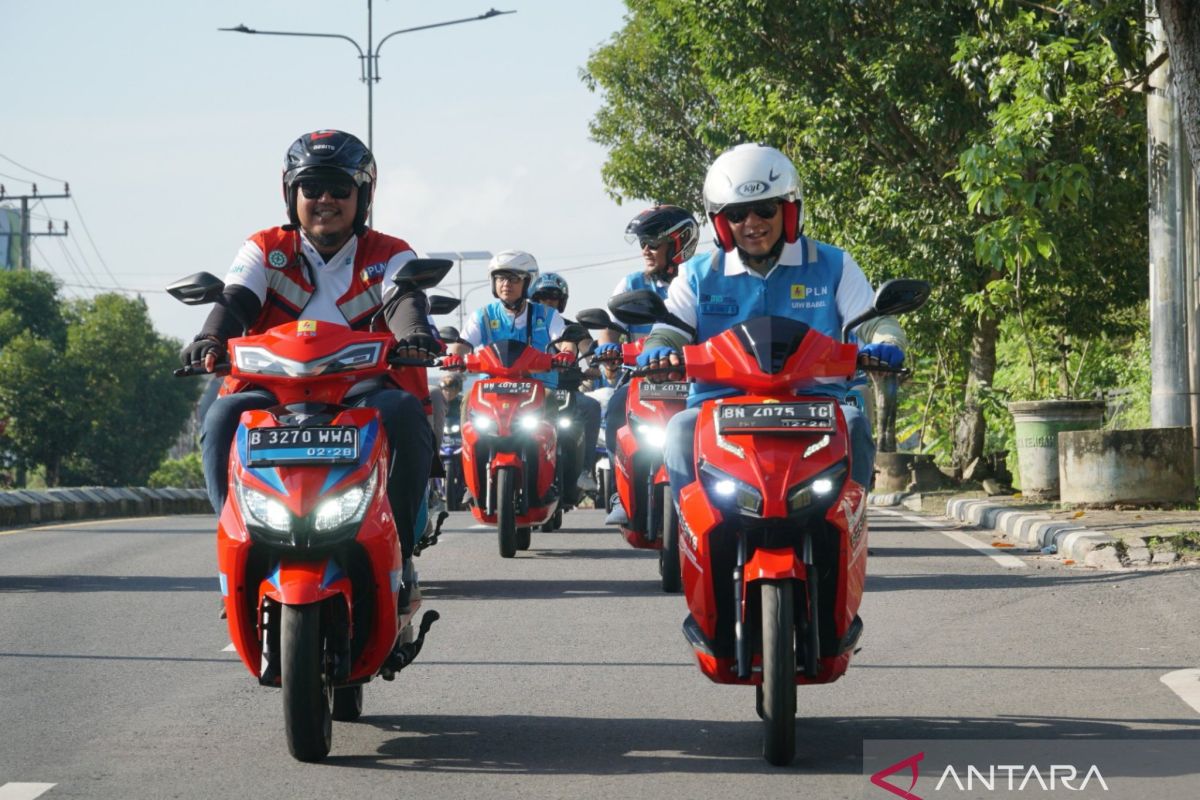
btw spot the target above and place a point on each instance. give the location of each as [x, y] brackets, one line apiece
[496, 326]
[635, 281]
[805, 291]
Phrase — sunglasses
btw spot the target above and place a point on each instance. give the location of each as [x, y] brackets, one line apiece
[314, 189]
[653, 244]
[549, 294]
[764, 209]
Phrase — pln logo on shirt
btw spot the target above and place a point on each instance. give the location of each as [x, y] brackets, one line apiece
[804, 296]
[495, 323]
[373, 271]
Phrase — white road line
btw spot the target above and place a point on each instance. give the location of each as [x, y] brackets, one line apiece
[1003, 559]
[229, 648]
[1186, 684]
[482, 527]
[24, 791]
[82, 523]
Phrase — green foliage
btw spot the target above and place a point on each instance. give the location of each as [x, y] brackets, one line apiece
[179, 473]
[138, 407]
[992, 147]
[29, 302]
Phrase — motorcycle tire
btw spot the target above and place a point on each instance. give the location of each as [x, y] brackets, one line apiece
[778, 672]
[524, 537]
[668, 557]
[506, 512]
[347, 703]
[604, 482]
[454, 487]
[307, 717]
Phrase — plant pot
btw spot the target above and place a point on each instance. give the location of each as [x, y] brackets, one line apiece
[1038, 423]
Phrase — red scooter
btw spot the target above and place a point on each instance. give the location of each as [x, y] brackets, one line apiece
[774, 534]
[510, 443]
[641, 479]
[309, 560]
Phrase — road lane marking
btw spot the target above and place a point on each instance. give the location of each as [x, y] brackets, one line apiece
[481, 527]
[76, 524]
[1186, 684]
[229, 648]
[1003, 559]
[24, 791]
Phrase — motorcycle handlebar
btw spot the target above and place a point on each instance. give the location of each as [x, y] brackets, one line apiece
[220, 368]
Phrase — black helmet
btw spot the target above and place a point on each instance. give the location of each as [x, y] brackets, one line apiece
[324, 152]
[666, 222]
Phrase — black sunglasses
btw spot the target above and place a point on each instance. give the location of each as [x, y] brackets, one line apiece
[764, 209]
[653, 243]
[314, 189]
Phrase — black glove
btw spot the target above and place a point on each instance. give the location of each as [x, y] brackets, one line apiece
[420, 341]
[193, 354]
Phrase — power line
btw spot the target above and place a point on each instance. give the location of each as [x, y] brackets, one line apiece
[31, 171]
[103, 263]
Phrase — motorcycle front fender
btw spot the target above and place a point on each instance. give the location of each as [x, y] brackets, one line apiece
[773, 565]
[298, 583]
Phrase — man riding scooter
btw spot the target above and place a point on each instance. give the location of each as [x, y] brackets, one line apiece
[667, 236]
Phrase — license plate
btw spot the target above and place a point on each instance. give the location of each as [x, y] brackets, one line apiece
[508, 387]
[776, 417]
[664, 391]
[293, 445]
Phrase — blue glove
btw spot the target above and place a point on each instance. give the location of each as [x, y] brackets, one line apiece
[888, 353]
[654, 354]
[606, 352]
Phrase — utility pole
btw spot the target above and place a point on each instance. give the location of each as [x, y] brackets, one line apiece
[26, 233]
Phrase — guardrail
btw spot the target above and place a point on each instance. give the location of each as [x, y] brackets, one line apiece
[27, 507]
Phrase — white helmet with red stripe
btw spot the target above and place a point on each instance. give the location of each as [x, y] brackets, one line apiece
[747, 173]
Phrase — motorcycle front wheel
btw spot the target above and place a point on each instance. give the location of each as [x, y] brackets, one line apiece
[778, 698]
[307, 717]
[506, 512]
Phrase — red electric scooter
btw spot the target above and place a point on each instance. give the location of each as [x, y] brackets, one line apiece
[774, 531]
[510, 443]
[309, 560]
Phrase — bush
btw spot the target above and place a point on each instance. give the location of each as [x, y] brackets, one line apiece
[179, 473]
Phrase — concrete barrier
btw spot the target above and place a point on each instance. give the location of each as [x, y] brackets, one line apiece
[27, 507]
[1148, 466]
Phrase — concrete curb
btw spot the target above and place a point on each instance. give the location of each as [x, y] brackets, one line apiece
[25, 507]
[910, 500]
[1032, 529]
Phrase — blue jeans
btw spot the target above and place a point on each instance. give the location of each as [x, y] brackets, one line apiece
[407, 430]
[679, 456]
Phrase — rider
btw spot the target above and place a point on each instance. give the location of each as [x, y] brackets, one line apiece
[551, 290]
[764, 265]
[324, 265]
[451, 388]
[512, 316]
[667, 236]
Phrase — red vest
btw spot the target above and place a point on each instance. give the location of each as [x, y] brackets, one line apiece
[289, 288]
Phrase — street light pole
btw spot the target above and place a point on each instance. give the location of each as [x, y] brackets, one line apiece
[369, 60]
[460, 257]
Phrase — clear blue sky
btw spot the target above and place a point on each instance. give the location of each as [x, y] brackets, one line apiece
[172, 134]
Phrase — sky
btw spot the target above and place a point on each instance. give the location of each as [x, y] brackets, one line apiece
[172, 134]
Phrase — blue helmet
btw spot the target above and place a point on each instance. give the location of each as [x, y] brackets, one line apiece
[550, 289]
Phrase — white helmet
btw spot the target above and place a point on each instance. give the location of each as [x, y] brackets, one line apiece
[752, 172]
[517, 261]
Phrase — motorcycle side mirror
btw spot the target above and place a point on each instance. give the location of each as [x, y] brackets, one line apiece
[197, 290]
[897, 296]
[644, 307]
[595, 319]
[421, 273]
[449, 334]
[441, 304]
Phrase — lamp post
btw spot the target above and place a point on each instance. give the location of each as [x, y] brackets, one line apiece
[369, 60]
[460, 257]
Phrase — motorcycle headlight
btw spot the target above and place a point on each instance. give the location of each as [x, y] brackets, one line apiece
[263, 510]
[651, 435]
[261, 361]
[345, 508]
[482, 423]
[455, 428]
[818, 490]
[529, 422]
[564, 422]
[728, 490]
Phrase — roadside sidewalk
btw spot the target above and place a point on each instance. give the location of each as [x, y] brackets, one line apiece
[1111, 539]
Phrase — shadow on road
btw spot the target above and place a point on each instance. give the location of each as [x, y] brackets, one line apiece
[590, 746]
[534, 589]
[1009, 579]
[107, 583]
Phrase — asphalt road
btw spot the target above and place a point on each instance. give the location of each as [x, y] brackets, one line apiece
[561, 673]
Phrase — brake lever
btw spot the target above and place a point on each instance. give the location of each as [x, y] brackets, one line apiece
[220, 368]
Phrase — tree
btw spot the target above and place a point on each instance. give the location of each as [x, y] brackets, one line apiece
[45, 414]
[29, 301]
[124, 371]
[1181, 24]
[877, 105]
